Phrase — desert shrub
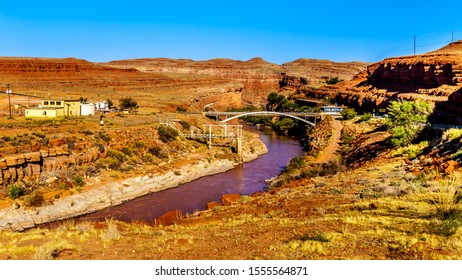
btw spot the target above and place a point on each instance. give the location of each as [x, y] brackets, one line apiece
[347, 137]
[412, 151]
[316, 236]
[100, 165]
[103, 136]
[91, 171]
[111, 233]
[15, 191]
[126, 168]
[365, 117]
[78, 180]
[452, 133]
[126, 150]
[295, 163]
[457, 154]
[348, 113]
[87, 132]
[158, 152]
[369, 193]
[245, 199]
[185, 125]
[34, 199]
[114, 164]
[406, 119]
[181, 109]
[116, 154]
[323, 169]
[333, 81]
[167, 134]
[7, 138]
[147, 158]
[446, 205]
[140, 145]
[444, 227]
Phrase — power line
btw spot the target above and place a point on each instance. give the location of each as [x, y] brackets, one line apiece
[429, 40]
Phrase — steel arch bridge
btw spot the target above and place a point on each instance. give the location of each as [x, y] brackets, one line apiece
[265, 113]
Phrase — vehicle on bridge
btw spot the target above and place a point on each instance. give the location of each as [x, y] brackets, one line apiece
[331, 109]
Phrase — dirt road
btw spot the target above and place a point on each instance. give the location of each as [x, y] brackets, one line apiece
[330, 152]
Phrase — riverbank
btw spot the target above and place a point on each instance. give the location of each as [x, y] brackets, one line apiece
[116, 193]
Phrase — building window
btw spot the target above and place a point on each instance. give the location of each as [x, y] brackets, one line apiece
[58, 103]
[52, 103]
[45, 102]
[44, 113]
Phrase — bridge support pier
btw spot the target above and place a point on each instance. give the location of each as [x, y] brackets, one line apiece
[210, 137]
[239, 149]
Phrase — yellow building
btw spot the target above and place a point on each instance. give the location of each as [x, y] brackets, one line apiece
[54, 109]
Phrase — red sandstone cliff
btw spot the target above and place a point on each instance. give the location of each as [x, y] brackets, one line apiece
[435, 76]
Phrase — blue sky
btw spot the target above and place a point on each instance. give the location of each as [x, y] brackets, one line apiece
[277, 31]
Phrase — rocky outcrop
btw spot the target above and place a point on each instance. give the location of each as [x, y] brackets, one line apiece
[31, 166]
[450, 111]
[315, 72]
[407, 76]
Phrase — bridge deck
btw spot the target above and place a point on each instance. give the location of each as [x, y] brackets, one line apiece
[207, 136]
[263, 113]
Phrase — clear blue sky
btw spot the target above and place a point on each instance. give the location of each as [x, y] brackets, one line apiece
[277, 31]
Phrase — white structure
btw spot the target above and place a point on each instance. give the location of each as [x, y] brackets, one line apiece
[87, 109]
[102, 106]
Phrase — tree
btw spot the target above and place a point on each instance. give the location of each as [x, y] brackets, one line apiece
[283, 125]
[128, 103]
[280, 103]
[166, 133]
[348, 113]
[110, 103]
[406, 119]
[272, 101]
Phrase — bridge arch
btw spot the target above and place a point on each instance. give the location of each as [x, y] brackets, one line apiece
[264, 113]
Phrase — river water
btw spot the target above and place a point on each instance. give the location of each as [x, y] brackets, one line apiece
[245, 179]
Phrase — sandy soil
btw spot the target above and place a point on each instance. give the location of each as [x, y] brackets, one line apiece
[330, 152]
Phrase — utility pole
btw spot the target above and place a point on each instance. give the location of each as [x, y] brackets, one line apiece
[8, 91]
[414, 43]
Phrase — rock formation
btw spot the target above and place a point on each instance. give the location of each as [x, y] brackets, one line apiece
[31, 166]
[435, 76]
